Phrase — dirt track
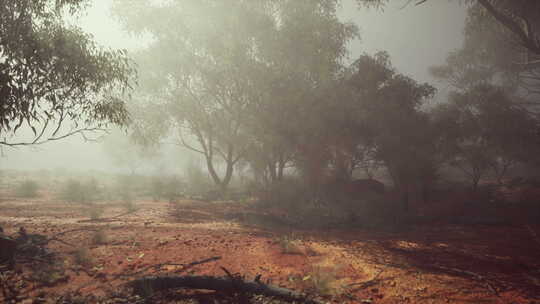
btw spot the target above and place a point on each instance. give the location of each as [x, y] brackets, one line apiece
[450, 264]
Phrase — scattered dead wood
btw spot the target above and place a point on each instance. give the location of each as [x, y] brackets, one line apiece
[475, 275]
[227, 284]
[106, 219]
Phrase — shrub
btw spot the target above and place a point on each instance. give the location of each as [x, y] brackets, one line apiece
[157, 188]
[322, 280]
[130, 206]
[99, 238]
[79, 192]
[82, 257]
[28, 188]
[289, 245]
[95, 212]
[173, 188]
[125, 188]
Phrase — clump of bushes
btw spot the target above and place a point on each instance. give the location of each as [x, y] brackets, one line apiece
[27, 188]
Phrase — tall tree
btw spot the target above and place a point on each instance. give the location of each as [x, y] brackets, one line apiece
[399, 130]
[54, 79]
[231, 81]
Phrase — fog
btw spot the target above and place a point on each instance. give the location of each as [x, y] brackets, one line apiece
[416, 37]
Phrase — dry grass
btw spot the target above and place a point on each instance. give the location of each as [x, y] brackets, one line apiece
[322, 280]
[289, 245]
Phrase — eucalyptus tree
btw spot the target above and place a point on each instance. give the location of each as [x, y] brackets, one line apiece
[54, 79]
[491, 133]
[233, 76]
[393, 122]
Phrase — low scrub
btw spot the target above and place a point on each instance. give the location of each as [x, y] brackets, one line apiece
[289, 245]
[27, 189]
[100, 238]
[95, 212]
[83, 257]
[80, 192]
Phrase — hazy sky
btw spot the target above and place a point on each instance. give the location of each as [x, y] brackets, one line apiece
[416, 38]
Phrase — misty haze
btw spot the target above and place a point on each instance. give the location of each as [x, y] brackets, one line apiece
[269, 151]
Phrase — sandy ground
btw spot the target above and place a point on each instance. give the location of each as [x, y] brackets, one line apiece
[425, 264]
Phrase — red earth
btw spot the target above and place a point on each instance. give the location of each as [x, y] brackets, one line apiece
[440, 263]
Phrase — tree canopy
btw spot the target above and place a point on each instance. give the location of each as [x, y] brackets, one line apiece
[54, 79]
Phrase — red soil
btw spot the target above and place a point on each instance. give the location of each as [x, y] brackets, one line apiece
[426, 264]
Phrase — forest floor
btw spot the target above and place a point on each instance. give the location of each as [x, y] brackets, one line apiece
[425, 264]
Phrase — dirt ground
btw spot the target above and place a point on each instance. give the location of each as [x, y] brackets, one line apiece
[425, 264]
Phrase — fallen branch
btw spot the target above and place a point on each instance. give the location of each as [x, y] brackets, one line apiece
[153, 284]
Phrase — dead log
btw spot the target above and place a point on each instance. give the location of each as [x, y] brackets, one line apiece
[147, 285]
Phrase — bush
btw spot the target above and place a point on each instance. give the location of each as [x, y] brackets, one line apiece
[79, 192]
[197, 180]
[28, 188]
[130, 206]
[313, 207]
[82, 257]
[99, 238]
[95, 212]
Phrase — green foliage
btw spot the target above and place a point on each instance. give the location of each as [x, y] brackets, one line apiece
[53, 73]
[241, 72]
[27, 188]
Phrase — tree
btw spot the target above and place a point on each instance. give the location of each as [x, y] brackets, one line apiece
[491, 133]
[400, 132]
[231, 81]
[53, 78]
